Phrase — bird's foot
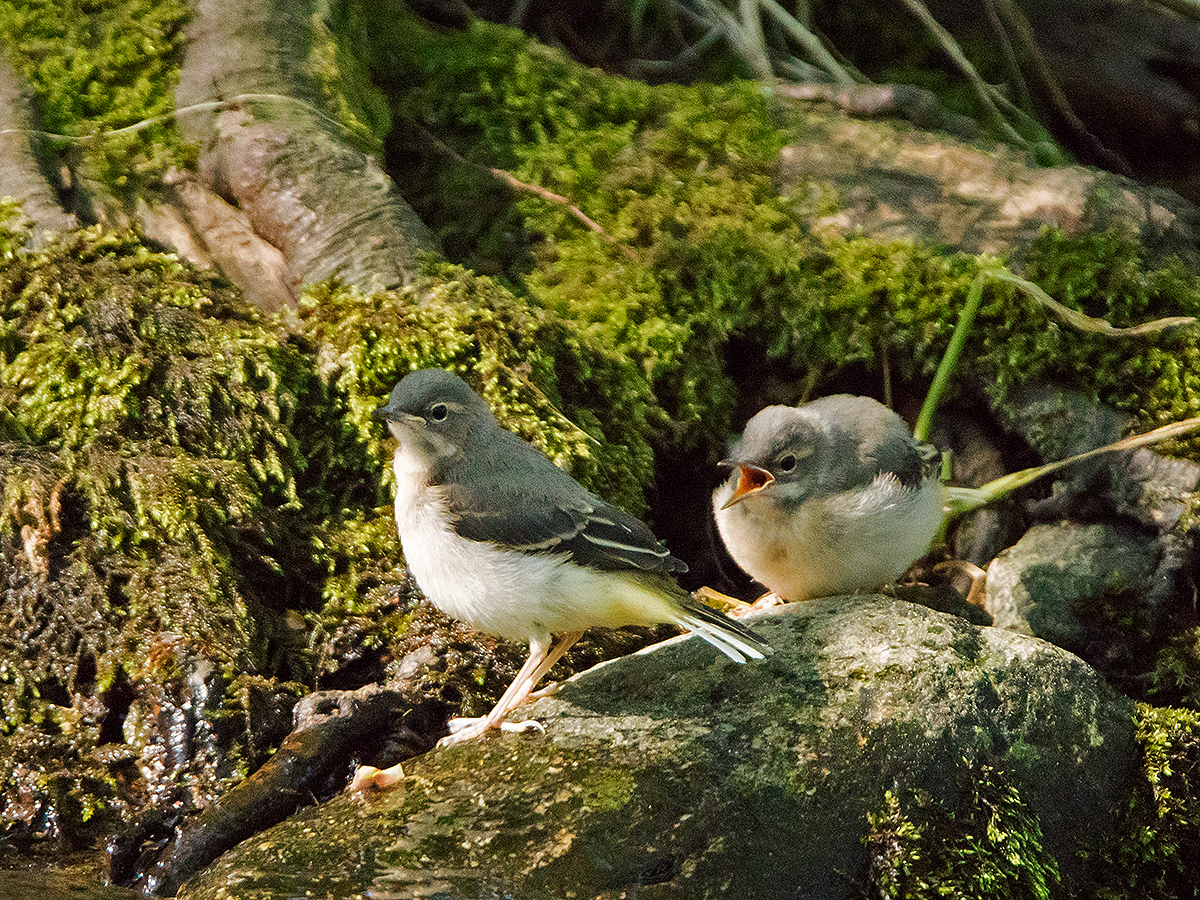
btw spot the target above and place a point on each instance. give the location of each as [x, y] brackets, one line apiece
[467, 729]
[369, 782]
[548, 691]
[766, 601]
[731, 606]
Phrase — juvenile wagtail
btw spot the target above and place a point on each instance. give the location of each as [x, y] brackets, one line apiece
[828, 497]
[496, 535]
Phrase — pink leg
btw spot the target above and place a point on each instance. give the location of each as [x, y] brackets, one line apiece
[542, 656]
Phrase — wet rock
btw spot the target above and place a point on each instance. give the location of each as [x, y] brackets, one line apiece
[675, 773]
[334, 730]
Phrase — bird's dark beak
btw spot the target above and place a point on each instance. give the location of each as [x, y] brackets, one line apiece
[389, 413]
[751, 480]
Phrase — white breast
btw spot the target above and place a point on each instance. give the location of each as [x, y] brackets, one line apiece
[834, 545]
[503, 592]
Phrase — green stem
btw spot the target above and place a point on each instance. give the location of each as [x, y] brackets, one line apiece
[950, 357]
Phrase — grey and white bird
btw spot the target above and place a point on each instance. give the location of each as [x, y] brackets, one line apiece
[498, 536]
[828, 497]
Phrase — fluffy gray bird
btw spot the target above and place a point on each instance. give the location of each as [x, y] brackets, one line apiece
[496, 535]
[828, 497]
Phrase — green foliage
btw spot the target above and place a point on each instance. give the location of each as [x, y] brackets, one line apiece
[101, 66]
[707, 253]
[990, 846]
[1156, 856]
[148, 482]
[160, 395]
[1176, 674]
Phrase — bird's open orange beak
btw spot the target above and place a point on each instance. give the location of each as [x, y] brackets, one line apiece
[751, 480]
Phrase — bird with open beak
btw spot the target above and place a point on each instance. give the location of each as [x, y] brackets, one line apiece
[828, 498]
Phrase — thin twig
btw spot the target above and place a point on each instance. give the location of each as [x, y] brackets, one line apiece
[1010, 57]
[964, 499]
[1058, 98]
[1188, 8]
[810, 42]
[207, 106]
[1072, 317]
[537, 190]
[1084, 322]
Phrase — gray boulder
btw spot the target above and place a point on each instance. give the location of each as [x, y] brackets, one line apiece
[1054, 582]
[880, 740]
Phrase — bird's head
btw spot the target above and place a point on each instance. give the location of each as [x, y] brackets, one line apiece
[434, 414]
[774, 457]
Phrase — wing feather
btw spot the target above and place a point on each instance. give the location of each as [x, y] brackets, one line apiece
[517, 498]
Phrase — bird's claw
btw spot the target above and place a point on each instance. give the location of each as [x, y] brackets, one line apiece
[369, 781]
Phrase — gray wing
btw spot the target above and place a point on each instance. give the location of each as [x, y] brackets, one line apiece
[880, 443]
[516, 498]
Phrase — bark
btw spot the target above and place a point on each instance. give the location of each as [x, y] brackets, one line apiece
[327, 207]
[20, 171]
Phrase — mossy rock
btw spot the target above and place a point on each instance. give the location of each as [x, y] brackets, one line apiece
[184, 482]
[882, 746]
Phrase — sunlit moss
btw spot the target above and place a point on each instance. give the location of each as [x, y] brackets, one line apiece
[700, 250]
[586, 407]
[148, 477]
[1155, 856]
[990, 846]
[98, 67]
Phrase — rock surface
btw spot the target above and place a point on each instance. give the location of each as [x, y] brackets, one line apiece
[1050, 580]
[673, 772]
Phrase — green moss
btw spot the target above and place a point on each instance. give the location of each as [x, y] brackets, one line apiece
[989, 846]
[707, 257]
[1111, 276]
[98, 67]
[344, 82]
[148, 487]
[1157, 852]
[669, 173]
[584, 406]
[1176, 674]
[14, 233]
[159, 401]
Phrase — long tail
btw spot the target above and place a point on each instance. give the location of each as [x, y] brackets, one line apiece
[728, 635]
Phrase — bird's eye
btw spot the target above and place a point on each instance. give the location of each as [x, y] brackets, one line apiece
[787, 463]
[438, 412]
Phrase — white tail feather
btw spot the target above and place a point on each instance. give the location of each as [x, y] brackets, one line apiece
[732, 645]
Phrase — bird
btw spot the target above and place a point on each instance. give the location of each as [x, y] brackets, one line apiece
[498, 536]
[829, 497]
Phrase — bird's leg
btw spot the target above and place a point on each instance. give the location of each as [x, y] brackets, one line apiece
[542, 656]
[766, 601]
[565, 643]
